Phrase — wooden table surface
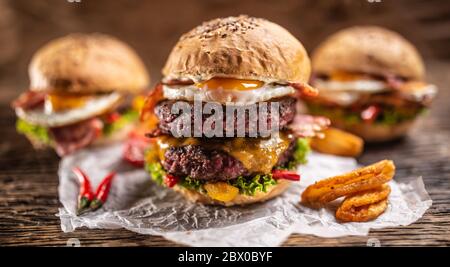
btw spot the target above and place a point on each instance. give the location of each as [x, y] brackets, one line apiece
[29, 199]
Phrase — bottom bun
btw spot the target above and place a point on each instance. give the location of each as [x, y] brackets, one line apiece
[372, 132]
[240, 199]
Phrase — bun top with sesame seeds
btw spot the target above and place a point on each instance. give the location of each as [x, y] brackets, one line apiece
[87, 63]
[240, 47]
[368, 49]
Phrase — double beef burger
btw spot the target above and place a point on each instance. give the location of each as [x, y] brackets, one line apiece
[81, 89]
[370, 82]
[231, 62]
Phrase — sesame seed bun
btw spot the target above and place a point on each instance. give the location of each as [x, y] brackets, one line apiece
[368, 49]
[238, 47]
[87, 63]
[240, 199]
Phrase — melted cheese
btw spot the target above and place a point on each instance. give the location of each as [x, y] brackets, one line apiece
[258, 155]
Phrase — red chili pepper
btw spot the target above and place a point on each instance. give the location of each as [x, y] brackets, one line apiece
[170, 180]
[370, 114]
[85, 196]
[102, 192]
[112, 117]
[284, 174]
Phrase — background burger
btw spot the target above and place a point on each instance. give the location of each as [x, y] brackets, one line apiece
[370, 82]
[80, 91]
[231, 61]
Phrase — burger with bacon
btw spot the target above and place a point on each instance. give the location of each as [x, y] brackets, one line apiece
[230, 62]
[370, 82]
[82, 92]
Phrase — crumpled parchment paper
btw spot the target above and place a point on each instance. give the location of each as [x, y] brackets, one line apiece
[139, 205]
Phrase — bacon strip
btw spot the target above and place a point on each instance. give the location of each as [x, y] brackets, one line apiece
[152, 99]
[29, 100]
[305, 89]
[73, 137]
[309, 126]
[394, 82]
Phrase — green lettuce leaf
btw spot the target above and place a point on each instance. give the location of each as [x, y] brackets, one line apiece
[192, 184]
[156, 172]
[300, 153]
[249, 186]
[34, 131]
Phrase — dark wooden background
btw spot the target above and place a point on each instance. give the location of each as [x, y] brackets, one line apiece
[28, 180]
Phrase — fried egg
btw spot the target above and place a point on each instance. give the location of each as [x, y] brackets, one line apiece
[363, 86]
[92, 106]
[346, 92]
[227, 91]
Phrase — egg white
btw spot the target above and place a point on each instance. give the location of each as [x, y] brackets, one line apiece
[363, 86]
[347, 92]
[94, 106]
[227, 96]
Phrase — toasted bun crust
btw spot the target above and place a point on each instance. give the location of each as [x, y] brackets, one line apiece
[198, 197]
[238, 47]
[377, 132]
[368, 49]
[87, 63]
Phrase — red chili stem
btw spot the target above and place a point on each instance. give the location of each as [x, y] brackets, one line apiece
[85, 195]
[102, 192]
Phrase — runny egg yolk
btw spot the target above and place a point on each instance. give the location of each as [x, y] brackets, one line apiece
[347, 76]
[231, 84]
[59, 102]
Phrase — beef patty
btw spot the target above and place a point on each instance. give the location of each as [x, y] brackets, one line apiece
[201, 163]
[168, 120]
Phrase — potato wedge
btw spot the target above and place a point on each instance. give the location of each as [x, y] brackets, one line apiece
[338, 142]
[364, 206]
[363, 179]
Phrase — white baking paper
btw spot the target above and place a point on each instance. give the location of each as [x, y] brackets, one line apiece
[139, 205]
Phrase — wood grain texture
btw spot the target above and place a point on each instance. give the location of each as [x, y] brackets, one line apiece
[29, 202]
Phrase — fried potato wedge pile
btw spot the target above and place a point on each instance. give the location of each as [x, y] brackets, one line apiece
[364, 206]
[365, 191]
[338, 142]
